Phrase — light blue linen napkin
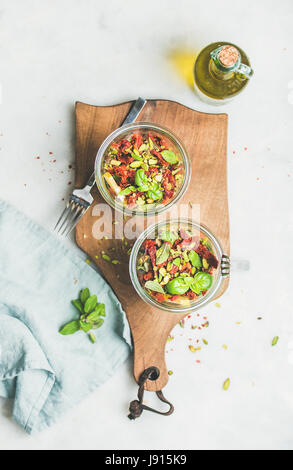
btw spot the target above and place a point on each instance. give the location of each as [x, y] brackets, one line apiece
[44, 372]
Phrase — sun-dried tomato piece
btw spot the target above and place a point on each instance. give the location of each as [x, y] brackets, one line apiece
[174, 297]
[153, 170]
[160, 297]
[152, 252]
[158, 140]
[168, 184]
[124, 144]
[126, 176]
[131, 200]
[204, 252]
[148, 243]
[148, 276]
[191, 295]
[150, 248]
[136, 141]
[162, 265]
[174, 269]
[192, 242]
[186, 268]
[125, 158]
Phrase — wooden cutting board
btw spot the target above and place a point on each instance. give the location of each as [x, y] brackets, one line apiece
[205, 138]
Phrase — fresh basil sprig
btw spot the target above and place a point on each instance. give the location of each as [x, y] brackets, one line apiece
[153, 189]
[90, 315]
[180, 285]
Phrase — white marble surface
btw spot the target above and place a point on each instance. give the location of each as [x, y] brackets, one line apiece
[104, 52]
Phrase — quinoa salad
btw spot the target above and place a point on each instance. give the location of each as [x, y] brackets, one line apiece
[177, 266]
[143, 171]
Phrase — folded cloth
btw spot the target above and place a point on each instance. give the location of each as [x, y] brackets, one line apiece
[44, 372]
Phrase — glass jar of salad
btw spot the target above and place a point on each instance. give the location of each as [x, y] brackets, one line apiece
[142, 169]
[178, 266]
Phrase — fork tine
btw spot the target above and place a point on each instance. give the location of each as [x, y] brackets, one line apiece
[76, 219]
[62, 216]
[73, 211]
[67, 218]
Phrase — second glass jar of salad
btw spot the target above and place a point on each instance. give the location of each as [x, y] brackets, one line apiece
[177, 266]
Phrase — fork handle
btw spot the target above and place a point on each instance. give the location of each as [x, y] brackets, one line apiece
[133, 113]
[91, 181]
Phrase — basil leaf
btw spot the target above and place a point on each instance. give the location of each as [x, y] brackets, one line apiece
[195, 259]
[168, 236]
[127, 191]
[136, 157]
[98, 324]
[141, 179]
[202, 281]
[162, 253]
[84, 295]
[195, 287]
[177, 286]
[177, 262]
[97, 313]
[70, 328]
[101, 309]
[155, 286]
[188, 280]
[94, 316]
[205, 280]
[86, 327]
[169, 156]
[77, 304]
[155, 193]
[143, 188]
[90, 304]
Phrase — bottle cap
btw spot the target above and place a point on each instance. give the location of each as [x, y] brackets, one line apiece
[228, 56]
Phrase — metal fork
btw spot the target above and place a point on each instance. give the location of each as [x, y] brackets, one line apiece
[81, 199]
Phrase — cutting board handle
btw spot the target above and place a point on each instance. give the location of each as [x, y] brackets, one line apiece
[136, 407]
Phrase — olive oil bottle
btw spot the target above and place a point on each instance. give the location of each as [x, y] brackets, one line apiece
[221, 71]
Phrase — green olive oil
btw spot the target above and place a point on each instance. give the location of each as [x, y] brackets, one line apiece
[221, 71]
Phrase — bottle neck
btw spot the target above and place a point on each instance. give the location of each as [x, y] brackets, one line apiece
[219, 73]
[225, 60]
